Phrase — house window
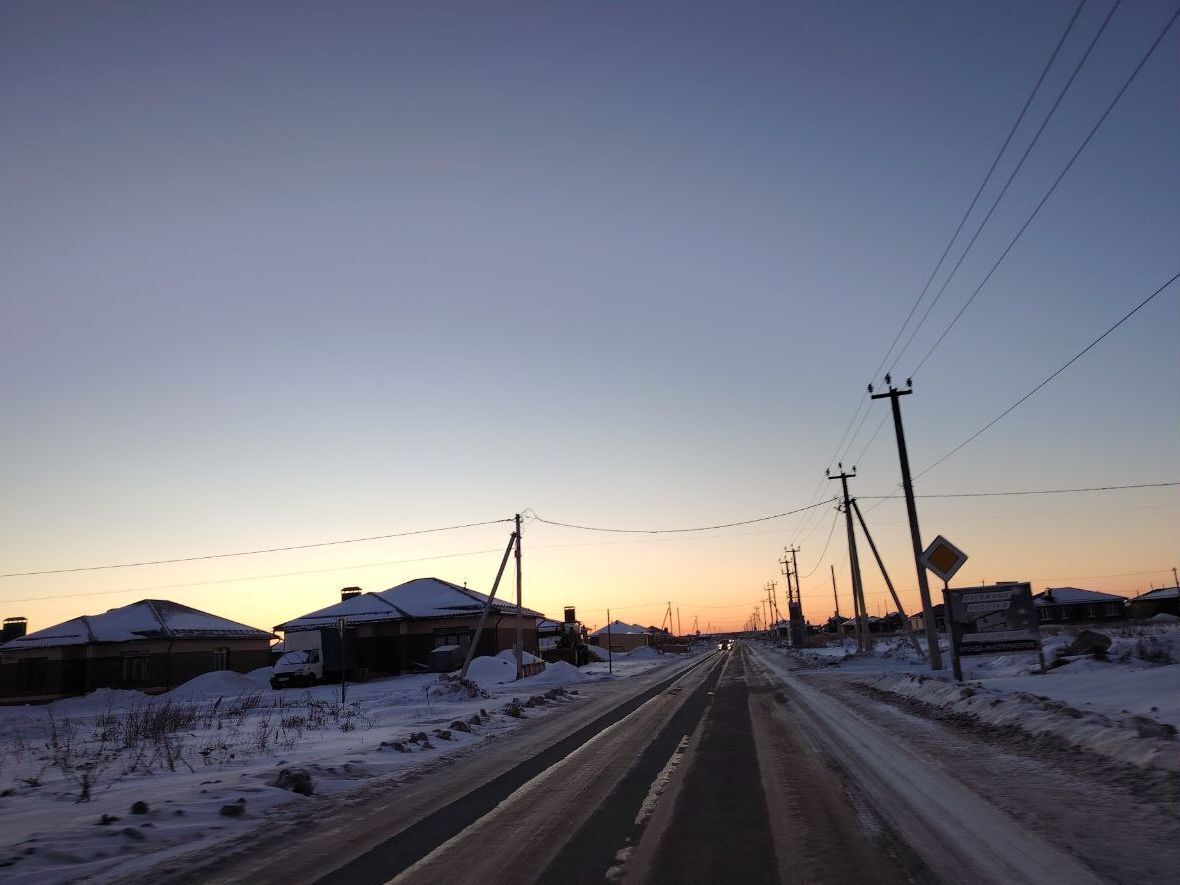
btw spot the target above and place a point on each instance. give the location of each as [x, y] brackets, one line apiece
[135, 666]
[221, 659]
[32, 674]
[1043, 614]
[454, 637]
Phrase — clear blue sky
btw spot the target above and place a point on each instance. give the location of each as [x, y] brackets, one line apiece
[284, 272]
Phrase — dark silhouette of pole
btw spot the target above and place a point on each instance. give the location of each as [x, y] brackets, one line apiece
[862, 624]
[894, 396]
[519, 608]
[905, 621]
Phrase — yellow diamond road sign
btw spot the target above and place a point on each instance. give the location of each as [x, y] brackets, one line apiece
[943, 558]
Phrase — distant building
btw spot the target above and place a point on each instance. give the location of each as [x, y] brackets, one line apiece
[621, 637]
[151, 645]
[1064, 605]
[1165, 600]
[395, 630]
[918, 619]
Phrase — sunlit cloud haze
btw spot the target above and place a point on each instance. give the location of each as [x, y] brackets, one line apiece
[281, 273]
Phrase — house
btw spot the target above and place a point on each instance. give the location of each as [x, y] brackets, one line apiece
[621, 637]
[151, 645]
[1062, 605]
[918, 620]
[1165, 600]
[395, 630]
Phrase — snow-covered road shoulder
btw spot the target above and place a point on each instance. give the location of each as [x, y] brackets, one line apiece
[1122, 701]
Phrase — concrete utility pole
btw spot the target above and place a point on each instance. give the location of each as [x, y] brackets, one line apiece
[798, 622]
[519, 608]
[835, 597]
[858, 599]
[894, 396]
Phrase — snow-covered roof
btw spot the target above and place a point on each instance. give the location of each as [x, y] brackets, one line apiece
[420, 598]
[146, 619]
[1159, 593]
[1073, 596]
[616, 627]
[549, 625]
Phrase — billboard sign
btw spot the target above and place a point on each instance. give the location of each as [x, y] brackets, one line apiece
[992, 620]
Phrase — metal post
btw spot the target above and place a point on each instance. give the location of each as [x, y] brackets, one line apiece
[610, 655]
[340, 622]
[894, 395]
[950, 632]
[519, 608]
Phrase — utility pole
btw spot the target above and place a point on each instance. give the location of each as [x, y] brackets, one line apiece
[862, 636]
[894, 396]
[798, 622]
[835, 596]
[519, 608]
[679, 625]
[610, 655]
[1175, 580]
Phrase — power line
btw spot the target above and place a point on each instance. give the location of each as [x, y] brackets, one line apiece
[588, 528]
[319, 571]
[967, 214]
[983, 184]
[1141, 485]
[1065, 366]
[95, 568]
[1011, 176]
[1053, 187]
[824, 552]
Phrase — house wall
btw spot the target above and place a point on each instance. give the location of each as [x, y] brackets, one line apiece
[1082, 611]
[391, 647]
[42, 674]
[622, 642]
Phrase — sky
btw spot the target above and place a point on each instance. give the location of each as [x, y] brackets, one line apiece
[274, 274]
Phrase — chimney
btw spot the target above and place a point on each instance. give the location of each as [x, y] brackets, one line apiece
[14, 628]
[349, 592]
[570, 615]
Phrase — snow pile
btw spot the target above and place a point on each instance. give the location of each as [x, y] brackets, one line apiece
[510, 655]
[1141, 740]
[486, 670]
[219, 683]
[558, 673]
[643, 653]
[262, 675]
[96, 703]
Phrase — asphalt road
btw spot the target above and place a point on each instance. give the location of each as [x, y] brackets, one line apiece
[709, 781]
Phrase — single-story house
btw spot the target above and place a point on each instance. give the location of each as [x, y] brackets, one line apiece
[621, 637]
[395, 630]
[1164, 600]
[1060, 605]
[918, 619]
[151, 645]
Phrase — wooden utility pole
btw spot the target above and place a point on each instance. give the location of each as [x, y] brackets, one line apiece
[483, 617]
[519, 607]
[905, 621]
[894, 396]
[835, 596]
[862, 637]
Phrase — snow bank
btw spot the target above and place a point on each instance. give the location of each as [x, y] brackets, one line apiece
[643, 653]
[216, 684]
[262, 675]
[510, 655]
[1126, 737]
[492, 671]
[97, 702]
[558, 673]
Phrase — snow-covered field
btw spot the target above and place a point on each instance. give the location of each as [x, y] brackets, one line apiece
[1123, 702]
[205, 759]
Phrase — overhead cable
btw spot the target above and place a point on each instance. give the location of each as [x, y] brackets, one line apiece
[95, 568]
